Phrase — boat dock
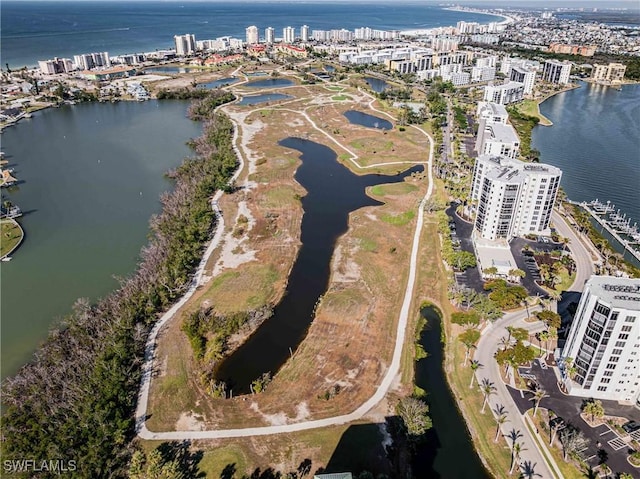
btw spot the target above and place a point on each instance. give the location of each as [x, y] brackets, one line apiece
[616, 224]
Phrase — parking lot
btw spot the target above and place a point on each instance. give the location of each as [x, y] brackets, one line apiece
[461, 239]
[601, 438]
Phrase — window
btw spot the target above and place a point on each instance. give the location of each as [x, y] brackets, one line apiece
[629, 319]
[602, 388]
[620, 344]
[626, 329]
[623, 336]
[617, 352]
[606, 381]
[608, 373]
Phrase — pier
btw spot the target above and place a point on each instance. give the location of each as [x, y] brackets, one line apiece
[616, 224]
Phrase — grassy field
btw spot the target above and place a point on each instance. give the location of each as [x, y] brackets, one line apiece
[10, 236]
[341, 97]
[532, 108]
[569, 469]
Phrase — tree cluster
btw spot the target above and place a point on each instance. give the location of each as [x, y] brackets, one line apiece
[504, 295]
[76, 398]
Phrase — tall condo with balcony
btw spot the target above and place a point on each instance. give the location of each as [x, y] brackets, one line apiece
[185, 44]
[555, 71]
[604, 342]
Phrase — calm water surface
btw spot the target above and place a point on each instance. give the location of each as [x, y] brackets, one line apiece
[370, 121]
[595, 140]
[270, 83]
[92, 175]
[333, 191]
[256, 99]
[447, 451]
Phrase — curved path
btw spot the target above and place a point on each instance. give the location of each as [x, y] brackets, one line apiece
[383, 387]
[488, 345]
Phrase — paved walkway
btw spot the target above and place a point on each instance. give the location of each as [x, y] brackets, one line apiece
[488, 345]
[383, 387]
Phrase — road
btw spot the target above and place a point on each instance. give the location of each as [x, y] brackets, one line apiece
[382, 389]
[488, 345]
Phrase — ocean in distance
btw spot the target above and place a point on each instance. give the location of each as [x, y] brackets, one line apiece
[39, 30]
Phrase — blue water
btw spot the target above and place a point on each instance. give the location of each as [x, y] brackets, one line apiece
[370, 121]
[172, 70]
[256, 99]
[595, 141]
[376, 84]
[39, 30]
[218, 83]
[270, 83]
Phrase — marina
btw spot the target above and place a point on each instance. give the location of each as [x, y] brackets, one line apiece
[617, 225]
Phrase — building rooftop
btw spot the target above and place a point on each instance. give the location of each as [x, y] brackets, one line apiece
[503, 133]
[618, 292]
[493, 109]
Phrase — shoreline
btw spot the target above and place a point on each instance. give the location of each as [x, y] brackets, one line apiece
[544, 121]
[17, 245]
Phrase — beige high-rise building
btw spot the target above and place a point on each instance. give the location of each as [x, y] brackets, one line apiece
[253, 36]
[611, 73]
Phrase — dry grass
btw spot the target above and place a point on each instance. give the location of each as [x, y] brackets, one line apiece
[350, 342]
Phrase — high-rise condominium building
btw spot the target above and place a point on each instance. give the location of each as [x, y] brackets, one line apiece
[525, 76]
[253, 36]
[304, 33]
[288, 34]
[604, 342]
[185, 44]
[504, 94]
[555, 71]
[269, 35]
[513, 198]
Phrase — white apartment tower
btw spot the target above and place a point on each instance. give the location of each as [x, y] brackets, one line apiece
[269, 35]
[185, 44]
[604, 341]
[252, 34]
[555, 71]
[288, 34]
[504, 94]
[304, 33]
[513, 198]
[523, 75]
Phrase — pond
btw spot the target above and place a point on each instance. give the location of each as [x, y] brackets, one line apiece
[370, 121]
[448, 450]
[329, 68]
[376, 84]
[333, 192]
[267, 97]
[270, 83]
[218, 83]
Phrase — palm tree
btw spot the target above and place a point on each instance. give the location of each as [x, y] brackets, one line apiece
[516, 450]
[538, 395]
[474, 365]
[593, 408]
[543, 336]
[487, 388]
[553, 334]
[606, 470]
[501, 418]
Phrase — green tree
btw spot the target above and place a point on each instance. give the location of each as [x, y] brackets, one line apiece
[469, 339]
[550, 318]
[415, 416]
[468, 320]
[593, 408]
[487, 388]
[474, 366]
[538, 395]
[501, 417]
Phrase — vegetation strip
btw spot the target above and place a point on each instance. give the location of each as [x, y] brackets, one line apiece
[76, 399]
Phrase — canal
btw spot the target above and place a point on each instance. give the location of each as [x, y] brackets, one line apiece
[447, 451]
[91, 177]
[333, 191]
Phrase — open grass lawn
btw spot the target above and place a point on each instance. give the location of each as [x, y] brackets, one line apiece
[242, 289]
[398, 220]
[393, 189]
[341, 97]
[10, 236]
[531, 108]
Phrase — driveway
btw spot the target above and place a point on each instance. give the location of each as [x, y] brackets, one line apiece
[568, 408]
[471, 277]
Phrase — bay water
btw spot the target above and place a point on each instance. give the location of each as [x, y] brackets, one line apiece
[91, 177]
